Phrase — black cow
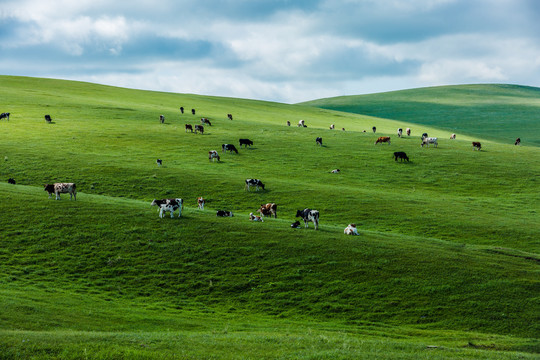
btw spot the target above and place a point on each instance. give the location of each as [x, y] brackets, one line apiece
[318, 141]
[11, 181]
[48, 118]
[296, 225]
[182, 109]
[254, 182]
[224, 213]
[4, 116]
[229, 116]
[518, 141]
[400, 155]
[309, 215]
[245, 142]
[193, 111]
[229, 147]
[374, 129]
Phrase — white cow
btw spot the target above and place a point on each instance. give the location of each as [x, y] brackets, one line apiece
[350, 230]
[169, 205]
[429, 140]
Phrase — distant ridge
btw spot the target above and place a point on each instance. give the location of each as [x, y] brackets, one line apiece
[498, 112]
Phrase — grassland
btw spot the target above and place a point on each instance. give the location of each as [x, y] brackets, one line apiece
[446, 265]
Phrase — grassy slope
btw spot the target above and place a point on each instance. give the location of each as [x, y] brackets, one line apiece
[443, 245]
[498, 112]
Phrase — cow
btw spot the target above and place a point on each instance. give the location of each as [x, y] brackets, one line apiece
[48, 118]
[4, 116]
[429, 140]
[399, 132]
[453, 137]
[159, 162]
[224, 213]
[189, 127]
[342, 129]
[205, 121]
[268, 210]
[318, 141]
[213, 155]
[309, 215]
[62, 188]
[245, 142]
[518, 141]
[182, 109]
[255, 217]
[229, 147]
[199, 128]
[332, 127]
[424, 135]
[288, 123]
[301, 123]
[400, 155]
[229, 116]
[161, 119]
[476, 145]
[193, 111]
[351, 230]
[11, 181]
[408, 131]
[335, 171]
[169, 205]
[254, 182]
[383, 139]
[374, 129]
[200, 203]
[296, 225]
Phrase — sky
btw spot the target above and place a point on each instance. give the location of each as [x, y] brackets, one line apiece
[277, 50]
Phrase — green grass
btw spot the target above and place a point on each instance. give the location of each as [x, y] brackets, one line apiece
[448, 252]
[497, 112]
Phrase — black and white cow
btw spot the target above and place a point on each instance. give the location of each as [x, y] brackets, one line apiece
[224, 213]
[4, 116]
[206, 121]
[254, 182]
[162, 118]
[518, 141]
[296, 225]
[199, 128]
[301, 123]
[399, 132]
[253, 217]
[229, 147]
[169, 205]
[245, 142]
[424, 135]
[309, 215]
[62, 188]
[159, 162]
[288, 123]
[212, 155]
[189, 127]
[332, 127]
[318, 141]
[429, 140]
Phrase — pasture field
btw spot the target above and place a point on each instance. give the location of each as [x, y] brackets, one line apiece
[446, 265]
[497, 112]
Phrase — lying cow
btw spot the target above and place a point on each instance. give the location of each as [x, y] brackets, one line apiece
[246, 142]
[309, 215]
[254, 182]
[169, 205]
[229, 147]
[335, 171]
[224, 213]
[212, 155]
[269, 209]
[62, 188]
[351, 230]
[400, 155]
[255, 217]
[296, 225]
[476, 145]
[383, 139]
[429, 140]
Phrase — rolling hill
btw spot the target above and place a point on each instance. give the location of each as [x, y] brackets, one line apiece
[497, 112]
[446, 264]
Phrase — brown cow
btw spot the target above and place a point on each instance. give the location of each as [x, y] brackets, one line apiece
[476, 145]
[189, 127]
[383, 139]
[268, 210]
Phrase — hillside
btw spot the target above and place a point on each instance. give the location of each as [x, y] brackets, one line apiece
[448, 250]
[497, 112]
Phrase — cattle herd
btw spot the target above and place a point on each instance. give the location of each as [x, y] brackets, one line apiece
[269, 209]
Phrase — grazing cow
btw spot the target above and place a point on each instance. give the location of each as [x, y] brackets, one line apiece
[189, 127]
[169, 205]
[182, 109]
[200, 203]
[4, 116]
[301, 123]
[400, 155]
[332, 127]
[224, 213]
[288, 123]
[254, 182]
[399, 132]
[199, 128]
[245, 142]
[374, 129]
[318, 141]
[296, 225]
[429, 140]
[343, 129]
[229, 147]
[212, 155]
[62, 188]
[193, 111]
[424, 135]
[11, 181]
[350, 230]
[255, 217]
[161, 119]
[206, 121]
[309, 215]
[518, 141]
[335, 171]
[453, 137]
[476, 145]
[383, 139]
[229, 116]
[159, 162]
[268, 209]
[408, 131]
[48, 118]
